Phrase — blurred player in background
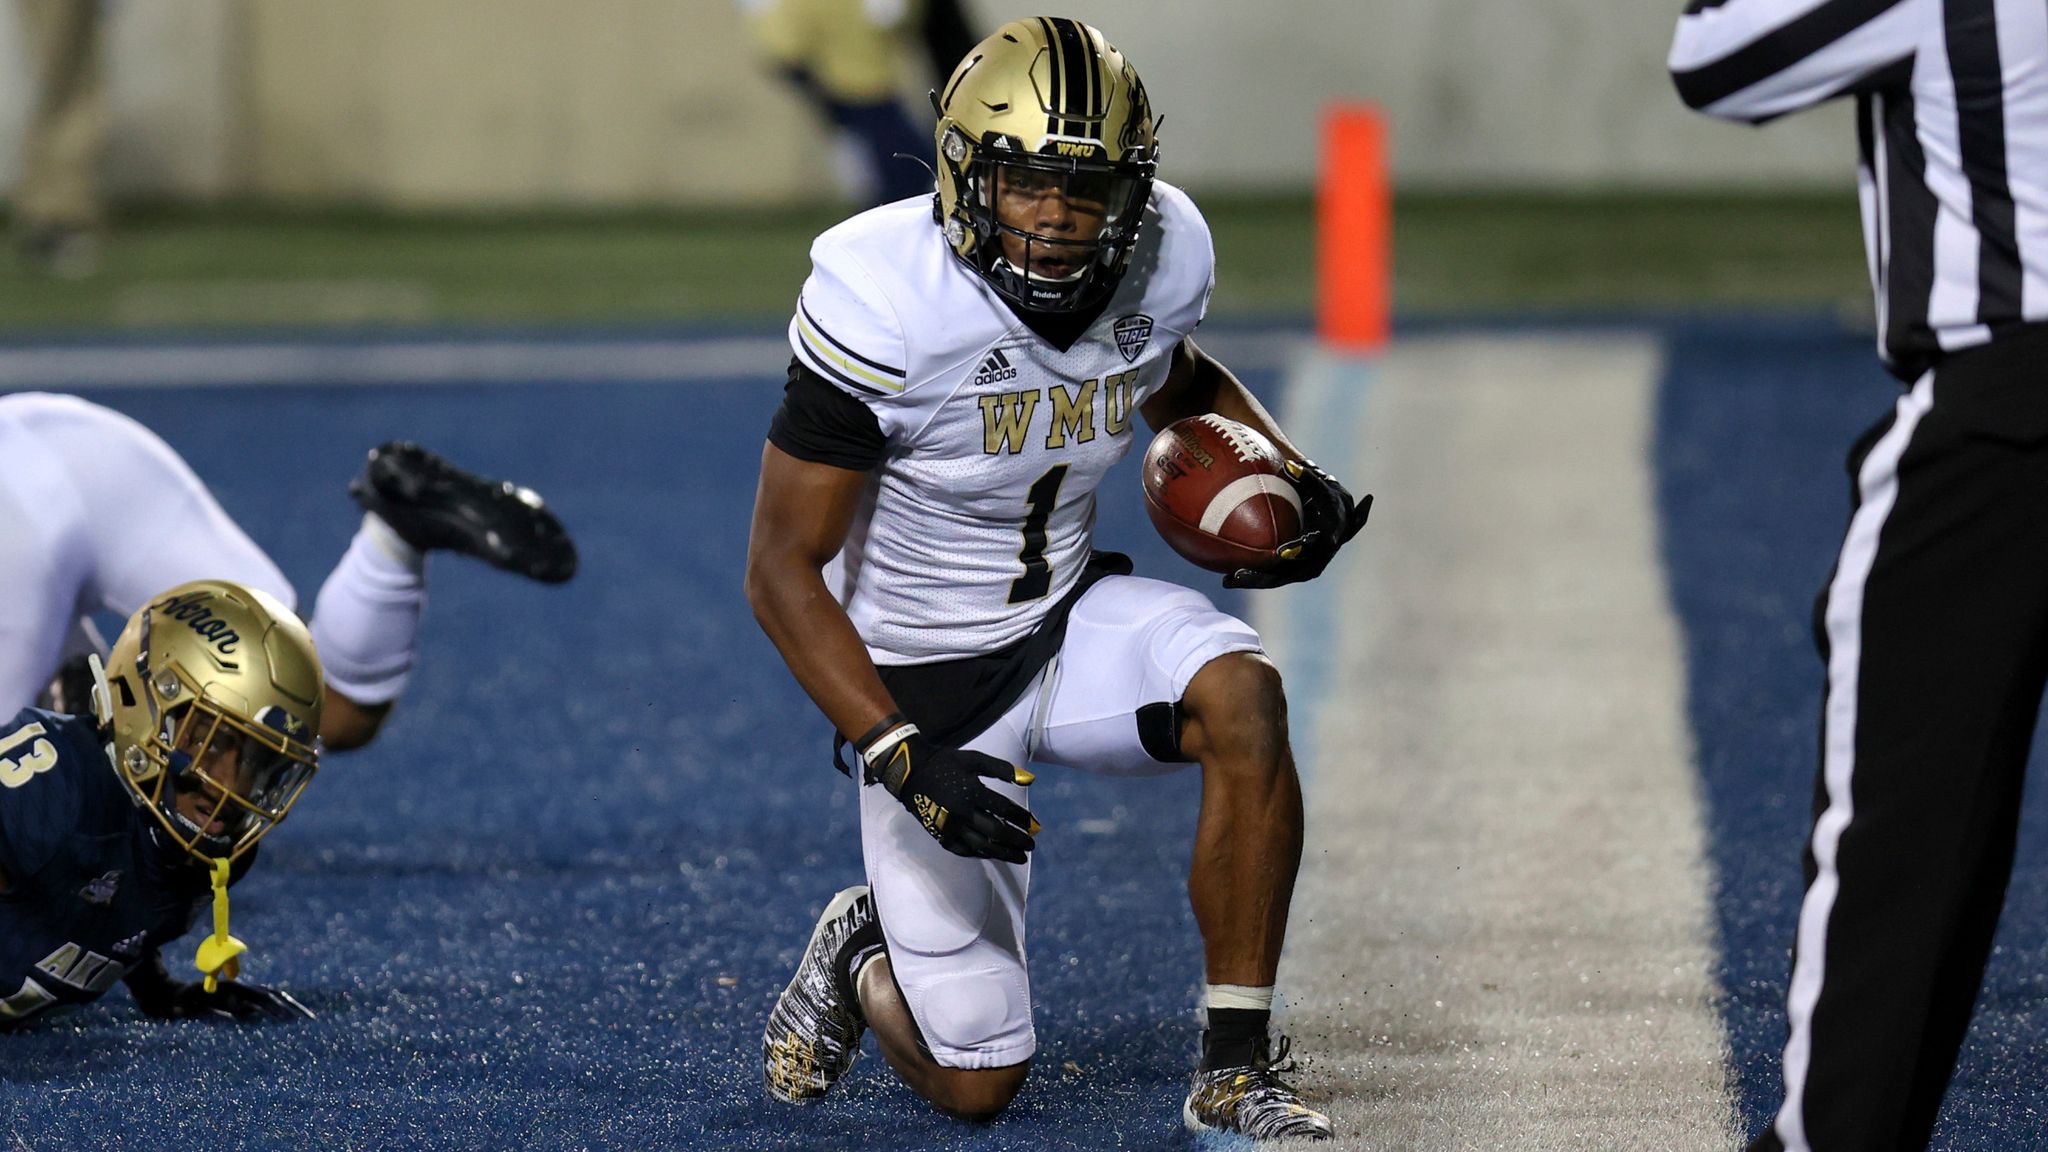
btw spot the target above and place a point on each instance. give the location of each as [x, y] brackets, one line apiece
[201, 737]
[97, 513]
[921, 557]
[948, 34]
[58, 213]
[846, 58]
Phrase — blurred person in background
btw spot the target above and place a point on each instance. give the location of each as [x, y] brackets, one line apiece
[97, 513]
[59, 213]
[846, 57]
[1934, 625]
[948, 34]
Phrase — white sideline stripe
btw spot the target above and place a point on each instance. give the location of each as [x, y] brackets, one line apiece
[1325, 397]
[458, 361]
[1502, 935]
[395, 362]
[1240, 490]
[1878, 482]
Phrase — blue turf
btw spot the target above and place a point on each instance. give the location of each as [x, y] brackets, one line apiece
[1755, 425]
[551, 906]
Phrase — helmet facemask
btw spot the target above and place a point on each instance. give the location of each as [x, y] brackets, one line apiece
[216, 782]
[1057, 231]
[1046, 157]
[209, 704]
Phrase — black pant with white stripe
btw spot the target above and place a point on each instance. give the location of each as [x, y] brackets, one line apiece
[1934, 629]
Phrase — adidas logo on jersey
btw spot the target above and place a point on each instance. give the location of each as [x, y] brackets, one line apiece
[995, 369]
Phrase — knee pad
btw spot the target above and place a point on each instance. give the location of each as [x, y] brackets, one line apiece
[974, 1010]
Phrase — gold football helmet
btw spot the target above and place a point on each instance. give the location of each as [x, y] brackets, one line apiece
[1045, 163]
[210, 710]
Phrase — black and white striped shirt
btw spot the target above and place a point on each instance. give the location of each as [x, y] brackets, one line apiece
[1952, 120]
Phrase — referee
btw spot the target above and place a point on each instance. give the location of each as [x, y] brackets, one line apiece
[1934, 626]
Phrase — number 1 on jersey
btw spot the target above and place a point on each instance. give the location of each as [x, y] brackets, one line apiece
[1037, 578]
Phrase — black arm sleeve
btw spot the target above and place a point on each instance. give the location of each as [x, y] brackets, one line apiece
[822, 424]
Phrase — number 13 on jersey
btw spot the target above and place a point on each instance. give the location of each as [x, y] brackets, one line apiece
[18, 765]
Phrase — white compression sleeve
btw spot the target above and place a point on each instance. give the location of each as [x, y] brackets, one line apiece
[366, 620]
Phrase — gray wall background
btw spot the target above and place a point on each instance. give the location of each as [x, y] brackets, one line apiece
[512, 103]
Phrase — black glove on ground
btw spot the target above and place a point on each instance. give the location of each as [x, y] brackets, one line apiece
[159, 996]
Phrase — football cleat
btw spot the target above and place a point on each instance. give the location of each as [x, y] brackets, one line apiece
[1251, 1100]
[814, 1031]
[435, 506]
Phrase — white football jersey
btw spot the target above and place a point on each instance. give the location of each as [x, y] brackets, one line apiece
[979, 520]
[97, 514]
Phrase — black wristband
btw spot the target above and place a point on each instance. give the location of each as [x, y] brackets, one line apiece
[882, 728]
[886, 759]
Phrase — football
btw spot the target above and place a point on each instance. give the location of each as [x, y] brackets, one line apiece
[1215, 491]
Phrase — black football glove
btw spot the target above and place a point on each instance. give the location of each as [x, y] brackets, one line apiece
[161, 997]
[942, 787]
[1329, 519]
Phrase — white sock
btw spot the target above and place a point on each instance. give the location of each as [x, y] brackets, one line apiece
[366, 620]
[389, 542]
[1237, 996]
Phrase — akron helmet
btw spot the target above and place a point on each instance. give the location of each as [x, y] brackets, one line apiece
[210, 705]
[1045, 163]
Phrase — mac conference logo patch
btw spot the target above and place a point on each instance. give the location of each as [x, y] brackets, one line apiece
[1132, 334]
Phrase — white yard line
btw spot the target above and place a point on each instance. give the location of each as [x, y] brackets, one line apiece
[521, 359]
[1502, 937]
[451, 361]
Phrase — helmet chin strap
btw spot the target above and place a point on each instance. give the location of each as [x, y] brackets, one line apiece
[220, 955]
[102, 703]
[102, 700]
[1027, 274]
